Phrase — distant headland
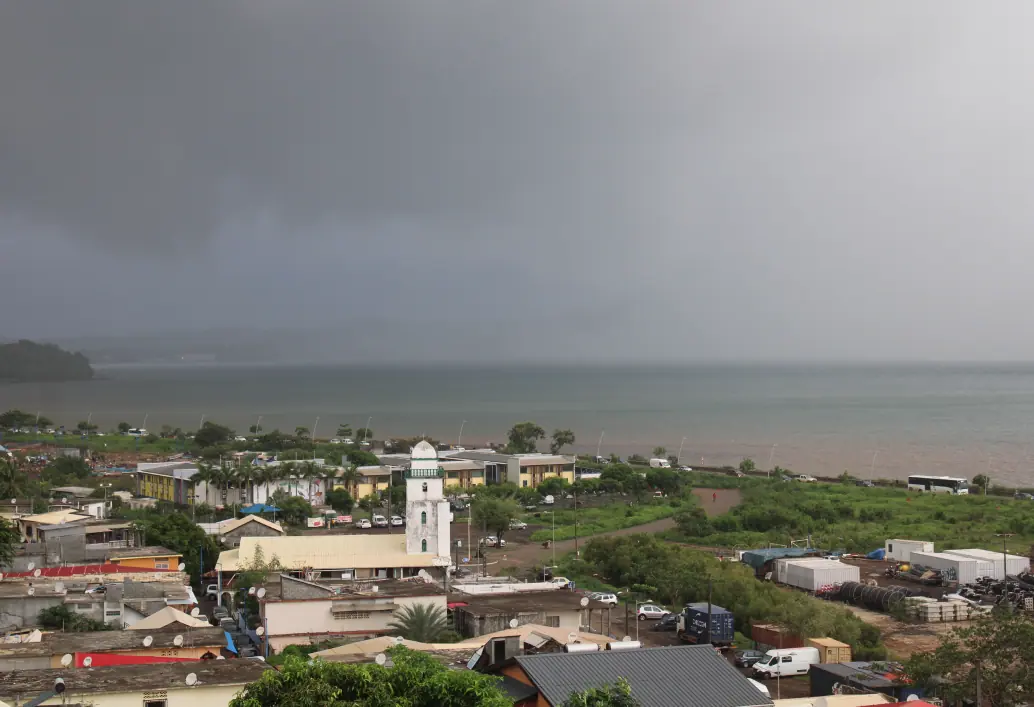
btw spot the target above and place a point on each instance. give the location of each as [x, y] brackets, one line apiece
[29, 361]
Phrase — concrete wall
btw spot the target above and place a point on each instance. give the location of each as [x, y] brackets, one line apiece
[472, 626]
[249, 530]
[291, 622]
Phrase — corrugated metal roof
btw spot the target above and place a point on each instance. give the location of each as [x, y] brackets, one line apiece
[683, 676]
[296, 552]
[758, 558]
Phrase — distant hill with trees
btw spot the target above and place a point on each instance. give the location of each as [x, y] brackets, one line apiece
[30, 361]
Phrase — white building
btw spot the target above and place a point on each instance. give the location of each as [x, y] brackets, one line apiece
[427, 511]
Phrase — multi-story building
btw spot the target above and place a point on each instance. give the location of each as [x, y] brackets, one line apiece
[524, 470]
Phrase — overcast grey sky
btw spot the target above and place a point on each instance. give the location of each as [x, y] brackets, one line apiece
[524, 179]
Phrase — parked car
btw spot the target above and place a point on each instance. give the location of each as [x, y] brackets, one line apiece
[212, 591]
[605, 597]
[746, 659]
[397, 521]
[518, 524]
[651, 611]
[335, 440]
[1020, 496]
[363, 523]
[805, 478]
[562, 582]
[866, 483]
[380, 521]
[493, 541]
[668, 622]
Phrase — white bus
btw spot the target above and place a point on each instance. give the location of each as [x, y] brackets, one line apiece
[938, 484]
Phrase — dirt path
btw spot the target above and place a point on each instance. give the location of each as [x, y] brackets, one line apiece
[715, 502]
[903, 639]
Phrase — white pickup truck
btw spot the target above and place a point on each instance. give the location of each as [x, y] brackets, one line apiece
[806, 478]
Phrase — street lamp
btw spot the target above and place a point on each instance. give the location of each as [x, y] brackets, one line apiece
[459, 439]
[678, 458]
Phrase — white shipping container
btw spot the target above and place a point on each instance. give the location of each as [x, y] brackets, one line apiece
[901, 550]
[1003, 564]
[811, 575]
[966, 569]
[780, 566]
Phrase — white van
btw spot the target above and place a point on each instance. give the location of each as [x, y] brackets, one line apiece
[785, 662]
[660, 463]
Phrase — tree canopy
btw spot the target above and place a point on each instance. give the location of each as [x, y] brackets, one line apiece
[176, 532]
[616, 695]
[999, 646]
[340, 500]
[414, 680]
[523, 437]
[212, 434]
[561, 439]
[420, 622]
[494, 514]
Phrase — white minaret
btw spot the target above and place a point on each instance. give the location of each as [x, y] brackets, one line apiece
[427, 510]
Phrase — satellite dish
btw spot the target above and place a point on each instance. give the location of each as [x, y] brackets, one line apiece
[66, 659]
[87, 662]
[251, 591]
[182, 567]
[191, 679]
[32, 566]
[381, 659]
[584, 602]
[31, 591]
[148, 641]
[177, 641]
[626, 639]
[261, 593]
[37, 572]
[572, 637]
[399, 640]
[222, 657]
[514, 623]
[913, 697]
[260, 631]
[195, 612]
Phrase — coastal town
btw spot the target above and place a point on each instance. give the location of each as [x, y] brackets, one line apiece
[138, 575]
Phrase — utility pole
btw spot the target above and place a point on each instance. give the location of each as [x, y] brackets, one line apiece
[709, 609]
[979, 686]
[576, 524]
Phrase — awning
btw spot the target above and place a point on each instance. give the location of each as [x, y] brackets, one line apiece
[259, 508]
[229, 643]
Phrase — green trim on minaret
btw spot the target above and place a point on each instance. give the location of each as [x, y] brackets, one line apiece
[435, 473]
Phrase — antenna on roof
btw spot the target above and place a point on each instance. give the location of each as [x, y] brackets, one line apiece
[260, 631]
[572, 637]
[251, 591]
[399, 640]
[177, 641]
[87, 662]
[191, 679]
[37, 572]
[148, 641]
[514, 623]
[381, 659]
[66, 660]
[195, 612]
[182, 567]
[32, 566]
[261, 593]
[584, 602]
[31, 591]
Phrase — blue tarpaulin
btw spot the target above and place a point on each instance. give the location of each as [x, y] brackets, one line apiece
[229, 643]
[877, 554]
[758, 558]
[259, 508]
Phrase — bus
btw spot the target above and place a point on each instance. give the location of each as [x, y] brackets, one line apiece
[938, 484]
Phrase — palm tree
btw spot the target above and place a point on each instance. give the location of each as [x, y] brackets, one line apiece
[424, 623]
[287, 473]
[204, 475]
[247, 474]
[350, 479]
[13, 481]
[267, 476]
[309, 471]
[344, 430]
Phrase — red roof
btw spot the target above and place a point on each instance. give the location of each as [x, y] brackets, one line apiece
[73, 570]
[98, 660]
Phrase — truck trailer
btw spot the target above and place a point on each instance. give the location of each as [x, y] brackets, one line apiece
[692, 626]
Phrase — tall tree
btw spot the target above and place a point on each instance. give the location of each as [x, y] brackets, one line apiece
[414, 680]
[523, 437]
[301, 432]
[344, 430]
[124, 427]
[9, 537]
[363, 434]
[561, 439]
[997, 651]
[494, 514]
[14, 481]
[424, 623]
[212, 434]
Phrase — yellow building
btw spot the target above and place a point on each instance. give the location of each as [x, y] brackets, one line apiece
[463, 473]
[151, 558]
[169, 481]
[524, 470]
[368, 480]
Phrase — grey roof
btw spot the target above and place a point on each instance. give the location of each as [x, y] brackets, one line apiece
[682, 676]
[490, 457]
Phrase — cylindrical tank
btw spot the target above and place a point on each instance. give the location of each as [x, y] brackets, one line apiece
[877, 598]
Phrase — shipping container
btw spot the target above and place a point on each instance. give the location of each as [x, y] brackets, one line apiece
[901, 550]
[811, 575]
[1003, 564]
[780, 566]
[831, 650]
[768, 636]
[693, 625]
[964, 570]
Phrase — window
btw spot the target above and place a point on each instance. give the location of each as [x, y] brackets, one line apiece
[156, 703]
[161, 565]
[424, 486]
[787, 658]
[524, 483]
[423, 517]
[423, 546]
[553, 621]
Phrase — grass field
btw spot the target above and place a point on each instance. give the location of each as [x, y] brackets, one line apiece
[617, 515]
[842, 516]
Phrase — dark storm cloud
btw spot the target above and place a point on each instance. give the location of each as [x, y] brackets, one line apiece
[822, 180]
